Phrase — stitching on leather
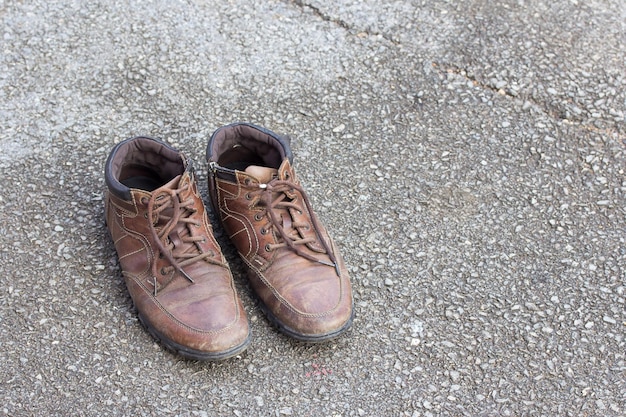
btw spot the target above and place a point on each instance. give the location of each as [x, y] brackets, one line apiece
[228, 213]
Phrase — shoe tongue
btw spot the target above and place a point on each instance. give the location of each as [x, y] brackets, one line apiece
[179, 230]
[170, 185]
[263, 174]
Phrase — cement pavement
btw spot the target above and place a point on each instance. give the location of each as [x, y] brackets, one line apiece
[468, 157]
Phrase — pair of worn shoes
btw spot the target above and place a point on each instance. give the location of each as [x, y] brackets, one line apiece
[173, 267]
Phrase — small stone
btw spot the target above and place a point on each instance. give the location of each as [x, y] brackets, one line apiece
[388, 282]
[339, 128]
[58, 228]
[609, 320]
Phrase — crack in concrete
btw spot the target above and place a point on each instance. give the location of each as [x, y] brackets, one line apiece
[342, 23]
[451, 68]
[550, 110]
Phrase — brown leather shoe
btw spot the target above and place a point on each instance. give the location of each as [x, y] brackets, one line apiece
[294, 266]
[173, 267]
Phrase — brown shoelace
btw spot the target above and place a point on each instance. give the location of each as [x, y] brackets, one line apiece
[276, 195]
[174, 239]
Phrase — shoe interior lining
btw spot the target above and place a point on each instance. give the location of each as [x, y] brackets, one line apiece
[146, 164]
[141, 182]
[239, 146]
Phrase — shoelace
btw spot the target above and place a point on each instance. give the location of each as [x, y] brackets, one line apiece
[169, 206]
[275, 195]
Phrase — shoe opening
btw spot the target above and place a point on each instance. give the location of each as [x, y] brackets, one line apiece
[240, 145]
[145, 163]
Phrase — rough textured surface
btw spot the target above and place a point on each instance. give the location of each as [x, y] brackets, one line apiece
[469, 157]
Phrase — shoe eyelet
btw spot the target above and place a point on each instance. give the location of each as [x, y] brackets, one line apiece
[161, 256]
[163, 271]
[258, 217]
[144, 200]
[268, 248]
[248, 196]
[247, 181]
[263, 231]
[145, 215]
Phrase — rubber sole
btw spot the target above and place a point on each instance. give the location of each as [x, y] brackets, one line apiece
[193, 354]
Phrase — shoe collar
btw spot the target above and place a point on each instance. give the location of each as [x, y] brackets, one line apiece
[145, 151]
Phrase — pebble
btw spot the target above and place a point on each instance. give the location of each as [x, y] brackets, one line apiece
[339, 128]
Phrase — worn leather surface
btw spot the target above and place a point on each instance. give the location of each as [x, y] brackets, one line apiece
[204, 316]
[305, 292]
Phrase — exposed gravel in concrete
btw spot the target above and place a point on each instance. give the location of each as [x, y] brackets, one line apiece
[469, 157]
